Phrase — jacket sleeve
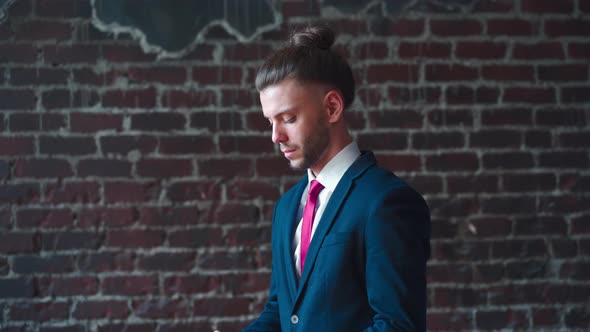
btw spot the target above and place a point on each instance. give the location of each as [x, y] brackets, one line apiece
[397, 235]
[269, 319]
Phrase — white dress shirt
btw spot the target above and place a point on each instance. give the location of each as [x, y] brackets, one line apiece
[329, 177]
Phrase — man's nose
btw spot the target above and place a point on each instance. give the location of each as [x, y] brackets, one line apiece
[277, 134]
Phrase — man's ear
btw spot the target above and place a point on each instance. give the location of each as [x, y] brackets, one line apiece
[334, 106]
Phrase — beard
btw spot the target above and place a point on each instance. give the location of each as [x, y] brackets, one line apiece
[313, 148]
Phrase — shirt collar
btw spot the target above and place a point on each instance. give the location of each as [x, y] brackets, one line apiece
[336, 167]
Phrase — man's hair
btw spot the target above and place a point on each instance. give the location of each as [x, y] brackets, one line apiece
[309, 58]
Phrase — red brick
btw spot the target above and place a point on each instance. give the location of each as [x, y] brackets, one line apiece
[540, 225]
[38, 76]
[89, 76]
[439, 140]
[575, 94]
[569, 27]
[480, 50]
[94, 122]
[16, 145]
[187, 144]
[68, 240]
[169, 215]
[56, 99]
[564, 159]
[235, 213]
[426, 184]
[508, 73]
[196, 238]
[243, 98]
[105, 261]
[450, 118]
[17, 288]
[225, 74]
[395, 119]
[400, 162]
[20, 53]
[70, 54]
[402, 95]
[224, 167]
[545, 317]
[460, 94]
[454, 72]
[45, 218]
[162, 308]
[564, 117]
[68, 286]
[398, 27]
[220, 121]
[63, 9]
[122, 191]
[424, 50]
[449, 320]
[371, 50]
[43, 168]
[538, 51]
[509, 27]
[452, 161]
[579, 50]
[158, 121]
[472, 183]
[508, 160]
[577, 317]
[493, 6]
[529, 182]
[43, 30]
[176, 261]
[383, 73]
[507, 117]
[445, 297]
[547, 6]
[575, 140]
[132, 327]
[495, 139]
[252, 189]
[245, 52]
[103, 168]
[101, 309]
[455, 28]
[110, 217]
[223, 260]
[66, 145]
[126, 53]
[17, 242]
[127, 285]
[221, 306]
[383, 141]
[515, 248]
[140, 98]
[456, 251]
[584, 6]
[160, 74]
[20, 193]
[163, 168]
[537, 138]
[39, 312]
[530, 95]
[248, 236]
[33, 264]
[565, 73]
[188, 99]
[17, 99]
[193, 191]
[123, 144]
[134, 238]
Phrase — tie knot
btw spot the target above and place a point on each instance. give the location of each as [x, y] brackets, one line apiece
[314, 189]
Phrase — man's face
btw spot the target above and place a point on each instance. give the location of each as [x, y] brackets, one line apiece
[299, 122]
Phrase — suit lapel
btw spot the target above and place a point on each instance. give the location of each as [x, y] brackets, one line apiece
[325, 224]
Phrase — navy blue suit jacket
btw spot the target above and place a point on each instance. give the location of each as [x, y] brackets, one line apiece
[366, 265]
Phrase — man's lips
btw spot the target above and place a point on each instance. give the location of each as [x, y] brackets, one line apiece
[288, 152]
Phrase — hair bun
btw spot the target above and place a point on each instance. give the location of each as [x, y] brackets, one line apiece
[315, 36]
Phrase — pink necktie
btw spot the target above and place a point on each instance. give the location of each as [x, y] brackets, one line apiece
[308, 214]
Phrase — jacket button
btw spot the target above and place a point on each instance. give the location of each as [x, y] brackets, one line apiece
[294, 319]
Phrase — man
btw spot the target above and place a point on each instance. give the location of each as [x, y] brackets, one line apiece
[350, 241]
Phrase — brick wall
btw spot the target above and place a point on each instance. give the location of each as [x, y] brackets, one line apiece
[138, 193]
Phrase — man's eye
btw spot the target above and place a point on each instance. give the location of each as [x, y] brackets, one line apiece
[290, 120]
